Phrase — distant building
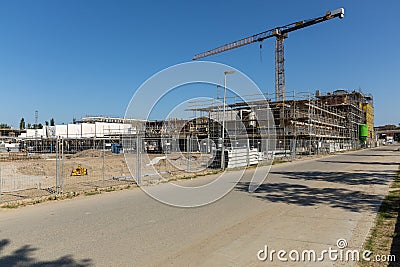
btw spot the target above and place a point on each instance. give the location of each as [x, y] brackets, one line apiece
[9, 132]
[88, 132]
[388, 133]
[87, 127]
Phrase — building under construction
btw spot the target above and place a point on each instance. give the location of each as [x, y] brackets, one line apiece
[303, 123]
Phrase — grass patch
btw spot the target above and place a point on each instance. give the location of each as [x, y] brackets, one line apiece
[278, 161]
[384, 233]
[92, 193]
[10, 206]
[109, 189]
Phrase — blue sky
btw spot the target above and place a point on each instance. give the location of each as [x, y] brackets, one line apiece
[72, 58]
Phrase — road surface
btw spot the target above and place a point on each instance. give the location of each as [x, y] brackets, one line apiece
[305, 205]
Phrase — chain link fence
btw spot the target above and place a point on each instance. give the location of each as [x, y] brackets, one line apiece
[105, 163]
[32, 174]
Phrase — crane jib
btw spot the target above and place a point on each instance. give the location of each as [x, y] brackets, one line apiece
[280, 33]
[273, 32]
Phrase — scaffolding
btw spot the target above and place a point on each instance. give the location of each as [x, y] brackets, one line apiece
[305, 123]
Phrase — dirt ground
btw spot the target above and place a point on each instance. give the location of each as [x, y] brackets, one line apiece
[37, 176]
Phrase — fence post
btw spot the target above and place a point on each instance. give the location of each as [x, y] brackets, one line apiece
[167, 147]
[138, 158]
[62, 165]
[57, 163]
[293, 149]
[248, 152]
[104, 155]
[188, 153]
[1, 181]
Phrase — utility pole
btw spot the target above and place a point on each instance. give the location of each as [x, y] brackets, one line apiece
[36, 129]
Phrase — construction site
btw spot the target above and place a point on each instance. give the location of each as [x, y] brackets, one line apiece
[303, 123]
[212, 133]
[226, 132]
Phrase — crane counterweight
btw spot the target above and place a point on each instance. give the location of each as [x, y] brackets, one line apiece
[338, 12]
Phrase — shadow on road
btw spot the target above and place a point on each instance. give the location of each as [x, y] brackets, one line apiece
[23, 257]
[306, 196]
[360, 162]
[387, 148]
[365, 155]
[350, 178]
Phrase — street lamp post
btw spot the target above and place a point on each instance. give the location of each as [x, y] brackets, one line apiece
[223, 122]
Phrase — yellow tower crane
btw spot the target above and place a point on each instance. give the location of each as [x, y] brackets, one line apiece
[280, 33]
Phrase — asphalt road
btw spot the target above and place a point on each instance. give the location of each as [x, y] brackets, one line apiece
[304, 205]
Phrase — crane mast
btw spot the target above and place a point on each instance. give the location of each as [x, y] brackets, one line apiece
[280, 33]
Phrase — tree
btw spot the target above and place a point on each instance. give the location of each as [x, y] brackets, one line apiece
[46, 123]
[52, 122]
[4, 126]
[29, 126]
[40, 126]
[22, 124]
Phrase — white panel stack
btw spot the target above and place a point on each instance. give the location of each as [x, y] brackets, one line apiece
[240, 157]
